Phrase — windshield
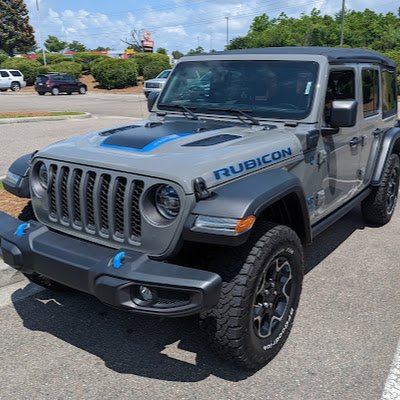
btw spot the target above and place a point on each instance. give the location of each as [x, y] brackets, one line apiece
[266, 89]
[164, 74]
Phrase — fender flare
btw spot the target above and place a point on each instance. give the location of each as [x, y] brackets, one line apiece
[19, 167]
[253, 194]
[390, 141]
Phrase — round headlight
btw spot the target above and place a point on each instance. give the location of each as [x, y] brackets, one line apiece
[167, 201]
[43, 176]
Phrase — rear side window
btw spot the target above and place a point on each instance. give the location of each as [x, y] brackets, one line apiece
[4, 74]
[389, 94]
[15, 73]
[370, 86]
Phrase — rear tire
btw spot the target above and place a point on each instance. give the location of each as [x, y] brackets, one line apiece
[41, 93]
[260, 293]
[82, 90]
[55, 91]
[15, 86]
[379, 206]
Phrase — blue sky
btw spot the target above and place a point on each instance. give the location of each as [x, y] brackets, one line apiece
[174, 25]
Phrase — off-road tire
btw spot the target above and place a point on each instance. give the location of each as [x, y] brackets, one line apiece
[26, 215]
[379, 206]
[231, 324]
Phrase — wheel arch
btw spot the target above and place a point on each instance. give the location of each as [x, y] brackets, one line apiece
[19, 167]
[272, 195]
[390, 144]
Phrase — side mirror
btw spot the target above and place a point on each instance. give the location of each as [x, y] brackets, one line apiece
[344, 113]
[153, 96]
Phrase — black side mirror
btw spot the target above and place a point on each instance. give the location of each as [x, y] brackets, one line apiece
[153, 96]
[344, 113]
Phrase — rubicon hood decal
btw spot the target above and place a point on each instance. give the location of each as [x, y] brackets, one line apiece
[148, 137]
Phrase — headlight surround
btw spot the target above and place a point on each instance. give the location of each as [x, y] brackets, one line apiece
[43, 176]
[167, 201]
[40, 179]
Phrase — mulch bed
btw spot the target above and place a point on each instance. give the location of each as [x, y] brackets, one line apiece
[11, 204]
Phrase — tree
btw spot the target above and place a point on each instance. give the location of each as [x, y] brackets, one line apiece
[133, 41]
[16, 33]
[54, 45]
[77, 47]
[177, 54]
[197, 50]
[100, 48]
[161, 50]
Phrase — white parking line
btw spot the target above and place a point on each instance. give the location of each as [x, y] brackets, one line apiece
[392, 386]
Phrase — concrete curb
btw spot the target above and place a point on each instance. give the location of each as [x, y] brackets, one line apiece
[39, 119]
[8, 275]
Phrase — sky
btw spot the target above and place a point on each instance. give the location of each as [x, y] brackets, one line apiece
[174, 25]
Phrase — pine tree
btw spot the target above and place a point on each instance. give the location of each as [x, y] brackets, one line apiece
[16, 33]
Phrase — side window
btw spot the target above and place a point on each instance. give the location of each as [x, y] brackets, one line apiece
[370, 87]
[4, 74]
[15, 73]
[389, 93]
[341, 86]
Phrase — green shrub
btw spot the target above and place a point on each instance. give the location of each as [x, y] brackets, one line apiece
[115, 74]
[3, 57]
[69, 67]
[152, 69]
[30, 69]
[86, 59]
[52, 58]
[143, 59]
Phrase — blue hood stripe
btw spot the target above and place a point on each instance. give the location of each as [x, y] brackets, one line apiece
[150, 146]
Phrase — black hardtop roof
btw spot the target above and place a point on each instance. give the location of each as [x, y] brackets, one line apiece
[333, 54]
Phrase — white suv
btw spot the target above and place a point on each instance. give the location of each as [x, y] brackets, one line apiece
[11, 79]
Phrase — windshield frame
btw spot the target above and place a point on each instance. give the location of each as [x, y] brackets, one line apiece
[313, 110]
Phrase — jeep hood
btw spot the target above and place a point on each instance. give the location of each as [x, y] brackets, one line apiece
[180, 150]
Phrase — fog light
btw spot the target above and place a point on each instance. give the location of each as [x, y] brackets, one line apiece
[146, 293]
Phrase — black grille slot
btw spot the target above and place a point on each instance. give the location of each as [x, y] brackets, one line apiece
[91, 178]
[97, 203]
[135, 210]
[119, 206]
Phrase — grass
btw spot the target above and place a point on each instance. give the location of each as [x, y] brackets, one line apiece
[38, 114]
[1, 184]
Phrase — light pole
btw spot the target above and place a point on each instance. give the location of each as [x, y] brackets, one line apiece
[39, 34]
[227, 30]
[342, 24]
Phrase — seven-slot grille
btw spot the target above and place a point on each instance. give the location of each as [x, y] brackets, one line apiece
[96, 202]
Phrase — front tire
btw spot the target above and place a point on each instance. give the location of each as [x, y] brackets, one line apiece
[82, 90]
[378, 208]
[261, 289]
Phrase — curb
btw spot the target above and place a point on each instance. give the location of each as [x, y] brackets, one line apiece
[39, 119]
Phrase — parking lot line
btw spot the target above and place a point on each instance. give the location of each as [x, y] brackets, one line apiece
[392, 385]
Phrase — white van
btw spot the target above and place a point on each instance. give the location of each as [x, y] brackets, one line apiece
[11, 79]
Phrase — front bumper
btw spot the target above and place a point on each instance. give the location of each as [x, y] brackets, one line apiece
[90, 268]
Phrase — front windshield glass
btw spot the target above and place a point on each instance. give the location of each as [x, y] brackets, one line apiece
[164, 74]
[266, 89]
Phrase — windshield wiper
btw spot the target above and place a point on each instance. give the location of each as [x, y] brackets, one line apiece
[183, 108]
[240, 113]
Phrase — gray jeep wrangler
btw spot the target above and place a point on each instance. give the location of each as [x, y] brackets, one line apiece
[204, 208]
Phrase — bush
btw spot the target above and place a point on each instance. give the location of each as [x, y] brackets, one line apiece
[30, 69]
[115, 74]
[3, 57]
[52, 58]
[86, 59]
[143, 59]
[69, 67]
[152, 69]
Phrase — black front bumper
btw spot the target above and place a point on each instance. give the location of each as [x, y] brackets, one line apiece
[90, 268]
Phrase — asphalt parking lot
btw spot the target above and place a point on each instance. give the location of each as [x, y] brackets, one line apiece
[70, 346]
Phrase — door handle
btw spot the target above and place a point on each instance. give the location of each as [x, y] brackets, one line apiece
[356, 141]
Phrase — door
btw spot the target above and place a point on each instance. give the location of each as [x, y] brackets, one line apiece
[342, 154]
[5, 80]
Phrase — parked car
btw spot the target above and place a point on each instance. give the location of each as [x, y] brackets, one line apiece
[156, 84]
[11, 79]
[56, 83]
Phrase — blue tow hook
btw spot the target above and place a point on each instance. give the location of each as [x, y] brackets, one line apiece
[21, 230]
[118, 260]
